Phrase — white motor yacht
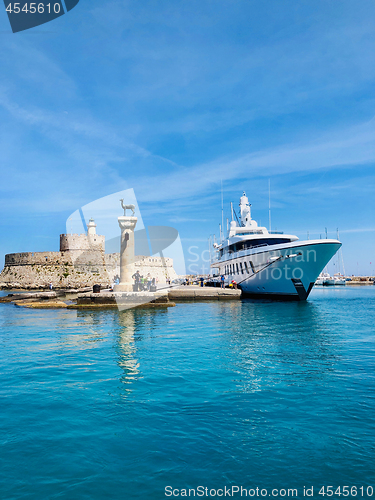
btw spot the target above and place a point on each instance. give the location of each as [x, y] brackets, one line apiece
[329, 281]
[322, 278]
[339, 279]
[267, 263]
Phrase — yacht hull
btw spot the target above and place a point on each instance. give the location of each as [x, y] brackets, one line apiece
[340, 282]
[329, 282]
[286, 272]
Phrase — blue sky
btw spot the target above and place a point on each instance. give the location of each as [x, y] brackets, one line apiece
[172, 97]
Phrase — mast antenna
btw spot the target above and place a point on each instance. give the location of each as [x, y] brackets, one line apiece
[269, 205]
[238, 221]
[222, 206]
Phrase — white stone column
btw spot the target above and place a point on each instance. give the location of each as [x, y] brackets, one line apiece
[127, 225]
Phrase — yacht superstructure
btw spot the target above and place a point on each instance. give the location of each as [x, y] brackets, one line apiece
[267, 263]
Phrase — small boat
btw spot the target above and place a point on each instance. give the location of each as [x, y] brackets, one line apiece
[326, 279]
[322, 278]
[339, 279]
[329, 281]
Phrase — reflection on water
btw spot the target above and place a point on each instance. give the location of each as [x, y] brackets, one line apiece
[125, 347]
[279, 343]
[91, 331]
[130, 327]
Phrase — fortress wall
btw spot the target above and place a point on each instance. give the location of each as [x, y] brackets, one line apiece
[113, 260]
[62, 269]
[157, 269]
[75, 269]
[33, 258]
[86, 258]
[145, 265]
[75, 257]
[69, 242]
[60, 277]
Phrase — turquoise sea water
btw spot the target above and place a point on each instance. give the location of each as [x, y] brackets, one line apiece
[108, 405]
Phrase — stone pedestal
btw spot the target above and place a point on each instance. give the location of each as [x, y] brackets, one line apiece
[127, 225]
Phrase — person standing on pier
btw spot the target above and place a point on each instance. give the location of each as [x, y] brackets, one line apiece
[222, 281]
[136, 277]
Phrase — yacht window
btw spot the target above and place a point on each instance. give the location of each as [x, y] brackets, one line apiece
[245, 264]
[238, 272]
[252, 266]
[245, 245]
[241, 267]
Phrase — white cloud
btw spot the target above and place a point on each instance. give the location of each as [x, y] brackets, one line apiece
[348, 147]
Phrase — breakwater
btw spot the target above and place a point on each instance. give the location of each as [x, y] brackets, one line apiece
[120, 300]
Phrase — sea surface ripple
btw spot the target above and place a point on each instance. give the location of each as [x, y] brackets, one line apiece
[113, 405]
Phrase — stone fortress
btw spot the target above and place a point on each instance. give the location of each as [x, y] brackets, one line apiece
[81, 262]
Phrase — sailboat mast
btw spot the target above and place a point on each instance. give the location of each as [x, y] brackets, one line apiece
[339, 254]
